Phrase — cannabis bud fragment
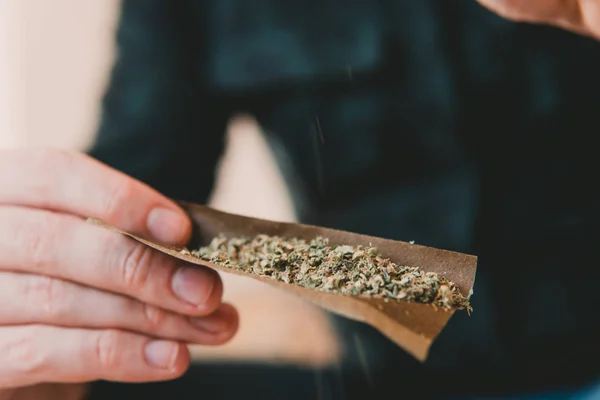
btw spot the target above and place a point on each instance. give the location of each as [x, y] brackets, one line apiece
[341, 269]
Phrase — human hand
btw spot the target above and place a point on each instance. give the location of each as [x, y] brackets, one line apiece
[79, 303]
[579, 16]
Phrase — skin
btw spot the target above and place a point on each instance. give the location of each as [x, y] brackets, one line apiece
[79, 303]
[578, 16]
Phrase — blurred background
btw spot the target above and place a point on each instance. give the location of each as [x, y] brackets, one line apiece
[55, 58]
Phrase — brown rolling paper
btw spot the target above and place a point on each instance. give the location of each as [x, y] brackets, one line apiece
[412, 326]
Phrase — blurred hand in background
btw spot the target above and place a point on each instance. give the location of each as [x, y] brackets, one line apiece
[579, 16]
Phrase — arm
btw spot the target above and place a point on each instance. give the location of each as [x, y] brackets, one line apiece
[579, 16]
[156, 125]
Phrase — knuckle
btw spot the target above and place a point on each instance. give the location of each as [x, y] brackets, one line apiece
[121, 191]
[107, 349]
[49, 294]
[154, 317]
[25, 356]
[136, 266]
[34, 237]
[31, 242]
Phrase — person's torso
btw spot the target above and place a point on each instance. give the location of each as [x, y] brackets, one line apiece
[444, 124]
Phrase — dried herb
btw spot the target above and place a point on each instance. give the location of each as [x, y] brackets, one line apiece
[343, 269]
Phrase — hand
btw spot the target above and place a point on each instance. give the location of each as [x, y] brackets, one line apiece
[79, 303]
[579, 16]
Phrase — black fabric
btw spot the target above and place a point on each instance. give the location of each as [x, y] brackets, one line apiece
[414, 120]
[233, 381]
[260, 381]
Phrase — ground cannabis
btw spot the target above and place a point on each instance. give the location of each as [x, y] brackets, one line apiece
[315, 264]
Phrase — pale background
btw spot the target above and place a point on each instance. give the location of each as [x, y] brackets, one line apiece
[54, 63]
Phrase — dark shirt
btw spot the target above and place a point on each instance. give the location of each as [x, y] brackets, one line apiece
[424, 120]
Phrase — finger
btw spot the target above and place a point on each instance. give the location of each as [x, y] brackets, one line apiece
[66, 247]
[556, 12]
[37, 353]
[590, 14]
[33, 299]
[77, 184]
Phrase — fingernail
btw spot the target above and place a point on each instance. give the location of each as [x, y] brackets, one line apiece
[161, 354]
[212, 324]
[168, 226]
[194, 285]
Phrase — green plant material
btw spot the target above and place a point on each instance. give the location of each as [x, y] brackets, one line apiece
[343, 269]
